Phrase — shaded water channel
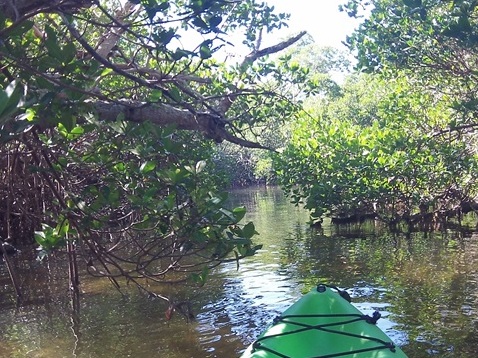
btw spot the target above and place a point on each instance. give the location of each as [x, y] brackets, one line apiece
[425, 286]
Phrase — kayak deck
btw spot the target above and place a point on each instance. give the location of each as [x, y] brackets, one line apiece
[323, 324]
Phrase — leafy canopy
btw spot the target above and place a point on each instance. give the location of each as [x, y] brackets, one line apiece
[401, 142]
[95, 99]
[376, 150]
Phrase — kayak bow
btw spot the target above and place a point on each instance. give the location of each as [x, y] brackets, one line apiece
[324, 324]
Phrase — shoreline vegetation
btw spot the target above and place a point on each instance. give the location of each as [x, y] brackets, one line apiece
[118, 138]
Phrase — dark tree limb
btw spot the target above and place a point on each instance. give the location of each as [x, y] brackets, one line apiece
[273, 49]
[18, 9]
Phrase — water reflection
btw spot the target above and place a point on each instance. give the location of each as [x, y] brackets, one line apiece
[423, 284]
[426, 287]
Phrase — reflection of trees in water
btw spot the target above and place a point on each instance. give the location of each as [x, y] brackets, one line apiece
[429, 279]
[426, 281]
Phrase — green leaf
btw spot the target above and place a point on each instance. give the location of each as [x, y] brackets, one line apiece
[45, 84]
[180, 53]
[464, 23]
[243, 249]
[257, 247]
[114, 197]
[239, 213]
[11, 98]
[51, 44]
[413, 3]
[147, 167]
[200, 23]
[69, 52]
[105, 193]
[175, 94]
[40, 237]
[241, 241]
[176, 175]
[68, 121]
[106, 72]
[76, 132]
[156, 95]
[120, 167]
[62, 228]
[30, 114]
[48, 237]
[215, 21]
[164, 37]
[3, 102]
[21, 29]
[205, 52]
[222, 210]
[200, 278]
[249, 230]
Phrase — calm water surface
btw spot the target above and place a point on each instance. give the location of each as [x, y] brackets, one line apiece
[425, 286]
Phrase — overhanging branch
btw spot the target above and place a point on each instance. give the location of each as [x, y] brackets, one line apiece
[273, 49]
[166, 115]
[226, 103]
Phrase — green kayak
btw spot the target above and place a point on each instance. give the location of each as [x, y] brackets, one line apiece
[322, 324]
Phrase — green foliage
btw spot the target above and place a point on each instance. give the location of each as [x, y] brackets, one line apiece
[92, 104]
[305, 71]
[242, 166]
[61, 58]
[51, 238]
[10, 99]
[401, 143]
[387, 160]
[434, 41]
[322, 66]
[148, 187]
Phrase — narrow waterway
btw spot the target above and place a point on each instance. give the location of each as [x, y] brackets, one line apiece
[425, 286]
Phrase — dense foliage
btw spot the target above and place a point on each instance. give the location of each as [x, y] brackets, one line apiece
[95, 95]
[434, 42]
[400, 143]
[110, 113]
[319, 67]
[377, 150]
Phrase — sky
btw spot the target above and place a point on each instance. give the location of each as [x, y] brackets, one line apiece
[320, 18]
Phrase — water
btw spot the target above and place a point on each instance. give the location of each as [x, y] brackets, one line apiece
[425, 286]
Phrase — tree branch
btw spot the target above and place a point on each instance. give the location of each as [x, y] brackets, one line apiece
[273, 49]
[111, 38]
[19, 10]
[164, 115]
[228, 100]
